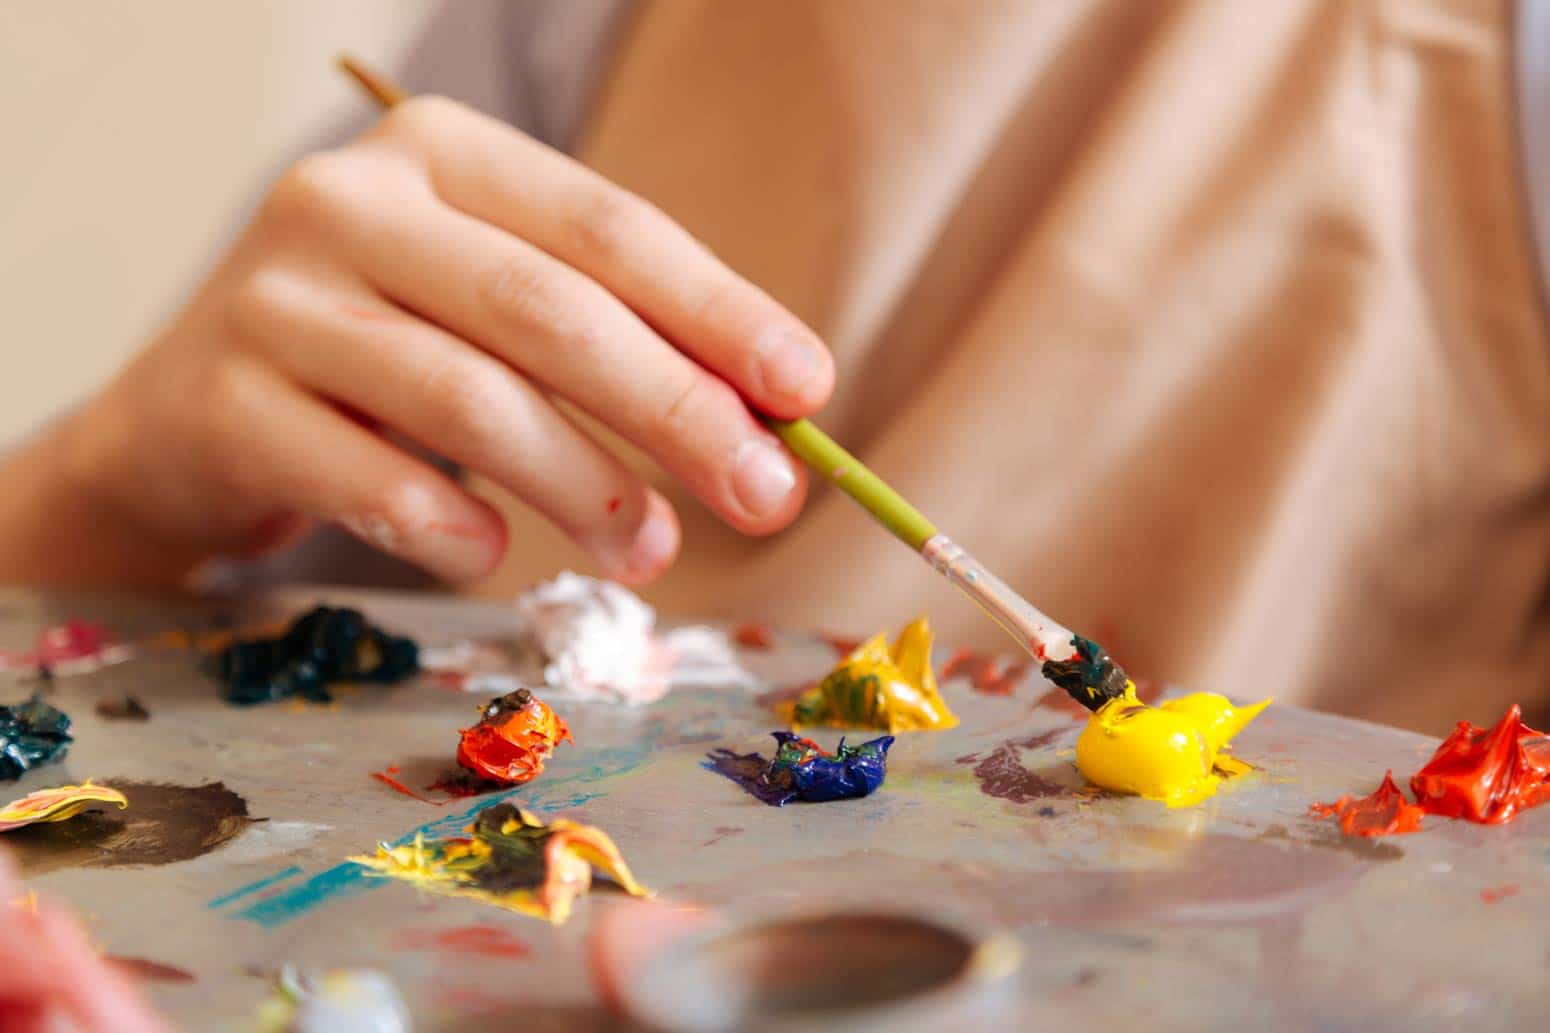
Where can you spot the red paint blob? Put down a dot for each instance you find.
(754, 636)
(484, 940)
(614, 504)
(1385, 813)
(1486, 775)
(72, 640)
(986, 674)
(369, 315)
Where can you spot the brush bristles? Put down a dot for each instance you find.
(1090, 677)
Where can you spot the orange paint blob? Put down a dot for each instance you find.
(1384, 813)
(1486, 775)
(513, 739)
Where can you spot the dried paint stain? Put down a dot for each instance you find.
(1001, 773)
(988, 675)
(163, 824)
(126, 708)
(483, 940)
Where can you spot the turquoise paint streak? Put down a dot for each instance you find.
(254, 887)
(349, 879)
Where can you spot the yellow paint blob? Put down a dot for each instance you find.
(893, 689)
(58, 804)
(1172, 752)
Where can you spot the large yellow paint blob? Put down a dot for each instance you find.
(893, 689)
(1171, 752)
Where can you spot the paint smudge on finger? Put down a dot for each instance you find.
(754, 635)
(1495, 893)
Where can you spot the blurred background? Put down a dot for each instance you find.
(136, 135)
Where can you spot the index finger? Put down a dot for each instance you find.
(486, 169)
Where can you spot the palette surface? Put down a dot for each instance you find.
(1242, 913)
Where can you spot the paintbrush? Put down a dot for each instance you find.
(1078, 665)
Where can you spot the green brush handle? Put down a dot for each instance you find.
(847, 473)
(1035, 631)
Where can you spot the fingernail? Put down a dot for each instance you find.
(788, 362)
(762, 476)
(467, 552)
(655, 542)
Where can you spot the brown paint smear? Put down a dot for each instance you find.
(147, 971)
(163, 824)
(1001, 772)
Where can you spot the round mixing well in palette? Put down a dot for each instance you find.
(849, 972)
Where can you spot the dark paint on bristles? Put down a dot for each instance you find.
(1091, 677)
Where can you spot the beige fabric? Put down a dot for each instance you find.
(1211, 326)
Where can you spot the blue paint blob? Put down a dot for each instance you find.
(803, 770)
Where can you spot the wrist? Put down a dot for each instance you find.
(65, 518)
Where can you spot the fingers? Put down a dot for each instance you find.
(569, 334)
(485, 169)
(628, 936)
(51, 977)
(470, 407)
(268, 440)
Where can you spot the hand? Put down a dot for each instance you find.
(446, 279)
(51, 978)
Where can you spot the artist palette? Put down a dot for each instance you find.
(983, 887)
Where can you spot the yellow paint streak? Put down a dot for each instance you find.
(450, 868)
(1172, 752)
